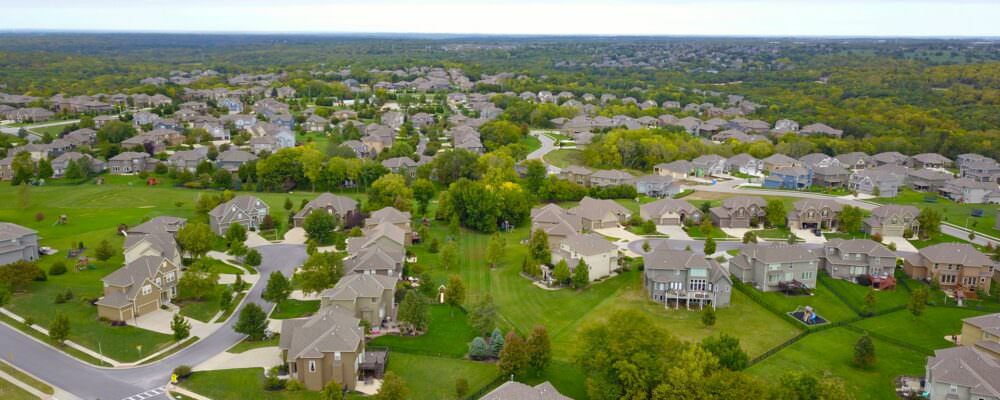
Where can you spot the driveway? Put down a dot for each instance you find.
(90, 382)
(902, 245)
(295, 236)
(808, 236)
(674, 231)
(624, 238)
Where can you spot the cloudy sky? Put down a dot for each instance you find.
(561, 17)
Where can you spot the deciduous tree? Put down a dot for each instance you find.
(252, 322)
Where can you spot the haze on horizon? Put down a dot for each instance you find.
(922, 18)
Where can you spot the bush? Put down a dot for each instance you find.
(877, 237)
(60, 298)
(39, 217)
(58, 268)
(272, 381)
(908, 233)
(182, 371)
(294, 386)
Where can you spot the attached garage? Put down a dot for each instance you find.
(148, 307)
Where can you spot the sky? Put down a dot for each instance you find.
(923, 18)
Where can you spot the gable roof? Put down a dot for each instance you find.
(968, 367)
(589, 244)
(389, 215)
(593, 209)
(863, 246)
(512, 390)
(955, 253)
(340, 204)
(331, 329)
(353, 286)
(778, 253)
(663, 206)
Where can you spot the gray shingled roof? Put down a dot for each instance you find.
(512, 390)
(955, 253)
(332, 329)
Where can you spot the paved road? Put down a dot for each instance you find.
(33, 137)
(90, 382)
(548, 144)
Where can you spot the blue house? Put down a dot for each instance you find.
(796, 178)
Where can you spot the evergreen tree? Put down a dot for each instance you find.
(538, 247)
(708, 316)
(496, 342)
(709, 246)
(181, 327)
(561, 272)
(864, 352)
(581, 275)
(454, 293)
(252, 322)
(478, 349)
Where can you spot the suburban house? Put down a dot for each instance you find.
(983, 170)
(390, 238)
(599, 213)
(738, 212)
(315, 123)
(929, 160)
(328, 346)
(820, 129)
(678, 169)
(61, 163)
(856, 161)
(138, 288)
(795, 178)
(670, 212)
(814, 214)
(744, 164)
(891, 158)
(953, 265)
(766, 267)
(962, 373)
(154, 237)
(884, 181)
(849, 259)
(685, 277)
(892, 220)
(20, 243)
(968, 190)
(188, 159)
(231, 160)
(369, 297)
(377, 260)
(557, 222)
(983, 333)
(129, 162)
(245, 210)
(832, 176)
(389, 215)
(341, 207)
(657, 186)
(927, 180)
(404, 166)
(600, 255)
(610, 177)
(708, 165)
(818, 160)
(778, 160)
(513, 390)
(576, 174)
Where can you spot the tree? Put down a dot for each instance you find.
(864, 352)
(454, 293)
(236, 233)
(390, 190)
(496, 342)
(483, 315)
(918, 301)
(538, 247)
(393, 388)
(181, 327)
(850, 219)
(495, 250)
(478, 349)
(197, 283)
(539, 349)
(252, 258)
(252, 322)
(535, 175)
(514, 357)
(869, 303)
(74, 171)
(413, 311)
(708, 316)
(319, 226)
(497, 133)
(461, 388)
(221, 179)
(16, 276)
(802, 386)
(709, 246)
(59, 329)
(288, 204)
(561, 272)
(44, 169)
(278, 288)
(320, 271)
(423, 193)
(332, 391)
(645, 246)
(726, 349)
(449, 254)
(929, 221)
(581, 274)
(749, 237)
(104, 251)
(775, 212)
(706, 227)
(196, 238)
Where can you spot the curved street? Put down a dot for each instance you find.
(548, 144)
(90, 382)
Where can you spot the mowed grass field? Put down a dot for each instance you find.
(955, 213)
(93, 213)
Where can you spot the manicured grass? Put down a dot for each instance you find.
(206, 309)
(695, 232)
(45, 339)
(93, 212)
(245, 345)
(942, 238)
(855, 294)
(927, 331)
(531, 143)
(232, 306)
(220, 267)
(563, 158)
(773, 233)
(432, 378)
(448, 335)
(320, 139)
(291, 308)
(25, 378)
(844, 235)
(239, 384)
(831, 352)
(187, 342)
(958, 214)
(822, 300)
(10, 391)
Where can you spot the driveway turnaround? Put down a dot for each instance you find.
(90, 382)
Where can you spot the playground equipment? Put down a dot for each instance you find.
(807, 316)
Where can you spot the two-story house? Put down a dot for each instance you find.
(738, 212)
(610, 177)
(796, 178)
(557, 223)
(245, 210)
(953, 265)
(670, 212)
(744, 164)
(814, 214)
(892, 221)
(849, 259)
(599, 255)
(927, 180)
(968, 190)
(708, 165)
(368, 296)
(884, 181)
(657, 186)
(19, 243)
(129, 162)
(685, 277)
(766, 267)
(231, 160)
(328, 346)
(600, 213)
(340, 207)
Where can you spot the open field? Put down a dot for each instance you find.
(563, 158)
(955, 213)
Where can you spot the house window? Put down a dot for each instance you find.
(147, 290)
(170, 276)
(159, 281)
(336, 356)
(807, 275)
(697, 284)
(312, 366)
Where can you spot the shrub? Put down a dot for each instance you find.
(877, 237)
(60, 298)
(908, 233)
(272, 381)
(58, 268)
(182, 371)
(294, 385)
(39, 217)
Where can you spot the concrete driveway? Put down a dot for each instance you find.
(255, 240)
(673, 231)
(295, 236)
(902, 245)
(808, 236)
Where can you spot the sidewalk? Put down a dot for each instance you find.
(68, 343)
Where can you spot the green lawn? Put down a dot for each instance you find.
(942, 238)
(695, 232)
(291, 308)
(448, 335)
(822, 300)
(245, 345)
(239, 384)
(203, 310)
(319, 138)
(432, 378)
(958, 214)
(855, 294)
(563, 158)
(927, 331)
(531, 143)
(830, 352)
(93, 212)
(25, 378)
(220, 267)
(10, 391)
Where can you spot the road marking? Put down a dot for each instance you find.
(147, 394)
